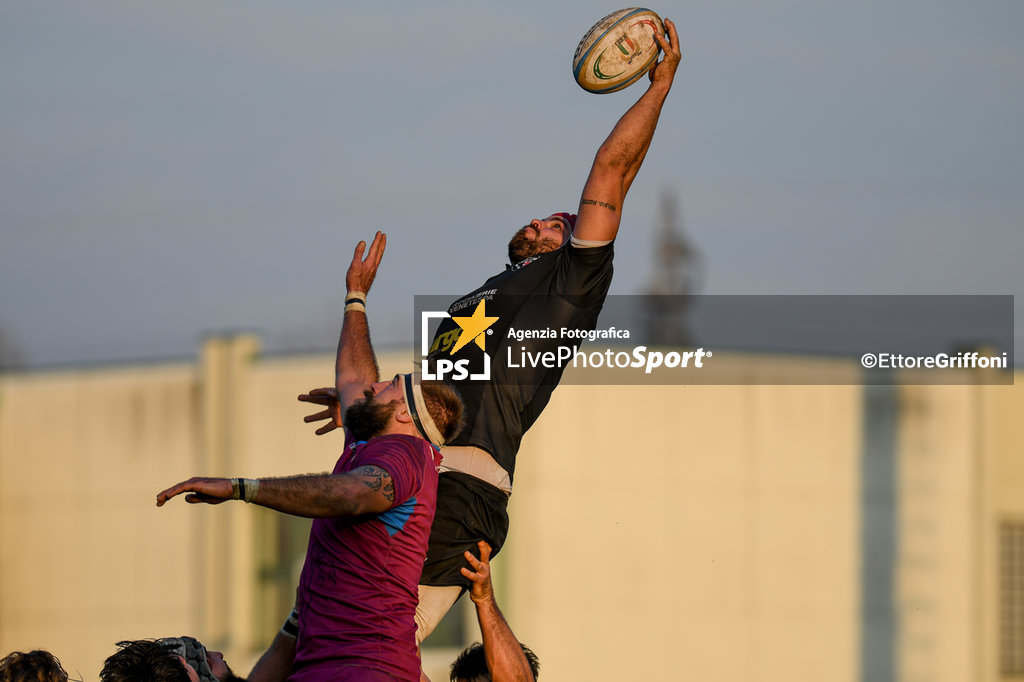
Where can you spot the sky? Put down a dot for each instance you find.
(174, 170)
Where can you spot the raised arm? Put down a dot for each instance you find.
(356, 366)
(619, 159)
(275, 665)
(506, 659)
(366, 490)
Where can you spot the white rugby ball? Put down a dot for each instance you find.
(617, 50)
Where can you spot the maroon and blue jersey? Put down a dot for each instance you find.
(358, 591)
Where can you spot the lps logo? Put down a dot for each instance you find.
(472, 329)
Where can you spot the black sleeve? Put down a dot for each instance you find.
(583, 272)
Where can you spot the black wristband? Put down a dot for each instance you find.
(291, 626)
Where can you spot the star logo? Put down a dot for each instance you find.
(473, 328)
(437, 361)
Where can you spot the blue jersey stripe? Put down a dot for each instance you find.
(396, 518)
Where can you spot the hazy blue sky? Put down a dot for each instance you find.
(173, 169)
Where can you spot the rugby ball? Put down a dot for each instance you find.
(617, 50)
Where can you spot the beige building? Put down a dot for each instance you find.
(723, 532)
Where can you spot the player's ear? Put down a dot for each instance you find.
(402, 415)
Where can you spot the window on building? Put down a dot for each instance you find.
(1011, 598)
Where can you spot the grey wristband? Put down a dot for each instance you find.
(244, 488)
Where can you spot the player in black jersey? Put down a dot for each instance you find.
(559, 274)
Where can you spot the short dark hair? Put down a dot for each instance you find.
(472, 664)
(144, 660)
(38, 665)
(445, 407)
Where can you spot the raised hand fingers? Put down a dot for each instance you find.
(164, 495)
(478, 577)
(357, 256)
(325, 414)
(660, 38)
(473, 561)
(326, 428)
(481, 590)
(376, 252)
(361, 272)
(208, 490)
(665, 69)
(200, 498)
(482, 564)
(355, 279)
(669, 41)
(327, 397)
(320, 396)
(671, 38)
(320, 416)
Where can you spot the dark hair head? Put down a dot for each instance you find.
(34, 666)
(445, 407)
(144, 660)
(472, 664)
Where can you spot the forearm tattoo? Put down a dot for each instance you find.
(377, 480)
(602, 204)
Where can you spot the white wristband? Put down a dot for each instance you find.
(355, 300)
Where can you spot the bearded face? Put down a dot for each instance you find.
(369, 419)
(527, 242)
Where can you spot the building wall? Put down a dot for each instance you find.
(1001, 438)
(690, 533)
(86, 558)
(714, 532)
(939, 531)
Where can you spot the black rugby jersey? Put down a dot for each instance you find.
(534, 299)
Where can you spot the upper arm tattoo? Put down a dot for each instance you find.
(602, 204)
(377, 480)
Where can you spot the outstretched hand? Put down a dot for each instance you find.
(665, 70)
(200, 491)
(482, 589)
(328, 397)
(361, 272)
